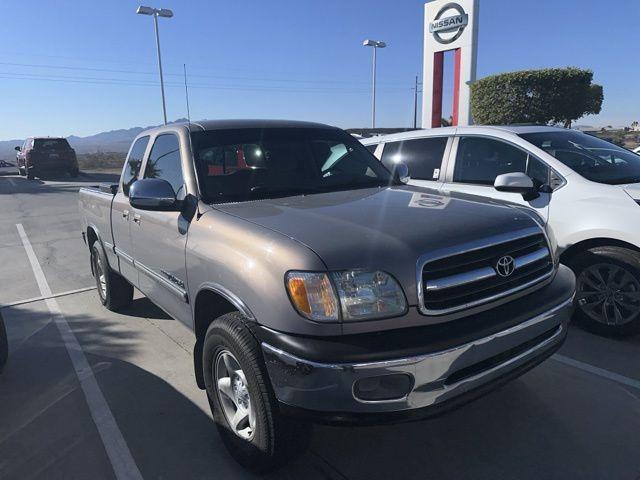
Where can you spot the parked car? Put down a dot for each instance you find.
(46, 155)
(318, 285)
(4, 346)
(587, 189)
(7, 168)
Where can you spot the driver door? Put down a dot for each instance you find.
(159, 237)
(477, 161)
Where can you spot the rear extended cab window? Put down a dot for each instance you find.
(133, 163)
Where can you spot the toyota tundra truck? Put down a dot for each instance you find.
(320, 287)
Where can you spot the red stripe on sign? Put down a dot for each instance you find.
(436, 92)
(457, 55)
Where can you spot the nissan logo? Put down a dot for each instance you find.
(505, 266)
(451, 24)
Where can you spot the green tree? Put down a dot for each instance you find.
(547, 96)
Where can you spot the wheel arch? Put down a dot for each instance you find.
(211, 302)
(584, 245)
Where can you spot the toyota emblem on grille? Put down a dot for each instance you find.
(505, 266)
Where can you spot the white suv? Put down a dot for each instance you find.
(587, 189)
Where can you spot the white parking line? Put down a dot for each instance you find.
(39, 299)
(601, 372)
(124, 466)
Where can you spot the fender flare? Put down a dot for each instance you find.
(228, 295)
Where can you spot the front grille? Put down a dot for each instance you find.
(470, 278)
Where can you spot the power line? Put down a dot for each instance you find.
(222, 77)
(151, 83)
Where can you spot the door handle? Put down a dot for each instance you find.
(136, 218)
(125, 214)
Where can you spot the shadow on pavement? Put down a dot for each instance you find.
(46, 428)
(143, 308)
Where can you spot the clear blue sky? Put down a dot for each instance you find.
(83, 66)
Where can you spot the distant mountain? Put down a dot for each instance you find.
(112, 141)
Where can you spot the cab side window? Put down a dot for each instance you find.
(423, 156)
(480, 160)
(372, 148)
(165, 163)
(133, 163)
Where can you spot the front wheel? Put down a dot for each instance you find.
(242, 401)
(608, 290)
(114, 291)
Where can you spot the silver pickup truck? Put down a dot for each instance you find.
(319, 286)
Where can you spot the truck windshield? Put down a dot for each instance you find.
(249, 164)
(51, 144)
(593, 158)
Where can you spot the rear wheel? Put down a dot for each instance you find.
(114, 291)
(608, 290)
(242, 401)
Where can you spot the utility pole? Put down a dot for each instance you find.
(415, 102)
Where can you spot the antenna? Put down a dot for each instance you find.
(186, 90)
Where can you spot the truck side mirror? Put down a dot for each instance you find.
(17, 149)
(517, 182)
(401, 173)
(153, 194)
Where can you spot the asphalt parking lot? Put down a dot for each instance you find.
(575, 416)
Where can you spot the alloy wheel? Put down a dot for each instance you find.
(233, 393)
(609, 294)
(101, 277)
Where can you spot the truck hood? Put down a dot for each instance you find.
(381, 228)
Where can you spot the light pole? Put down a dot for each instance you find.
(376, 45)
(158, 12)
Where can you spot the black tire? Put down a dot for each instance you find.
(114, 291)
(276, 439)
(4, 346)
(30, 175)
(600, 271)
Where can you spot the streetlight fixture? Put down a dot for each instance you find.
(376, 45)
(157, 12)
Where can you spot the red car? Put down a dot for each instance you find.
(46, 155)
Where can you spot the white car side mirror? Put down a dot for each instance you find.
(516, 182)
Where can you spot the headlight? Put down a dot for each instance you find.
(361, 295)
(368, 295)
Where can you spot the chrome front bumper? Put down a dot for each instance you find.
(437, 377)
